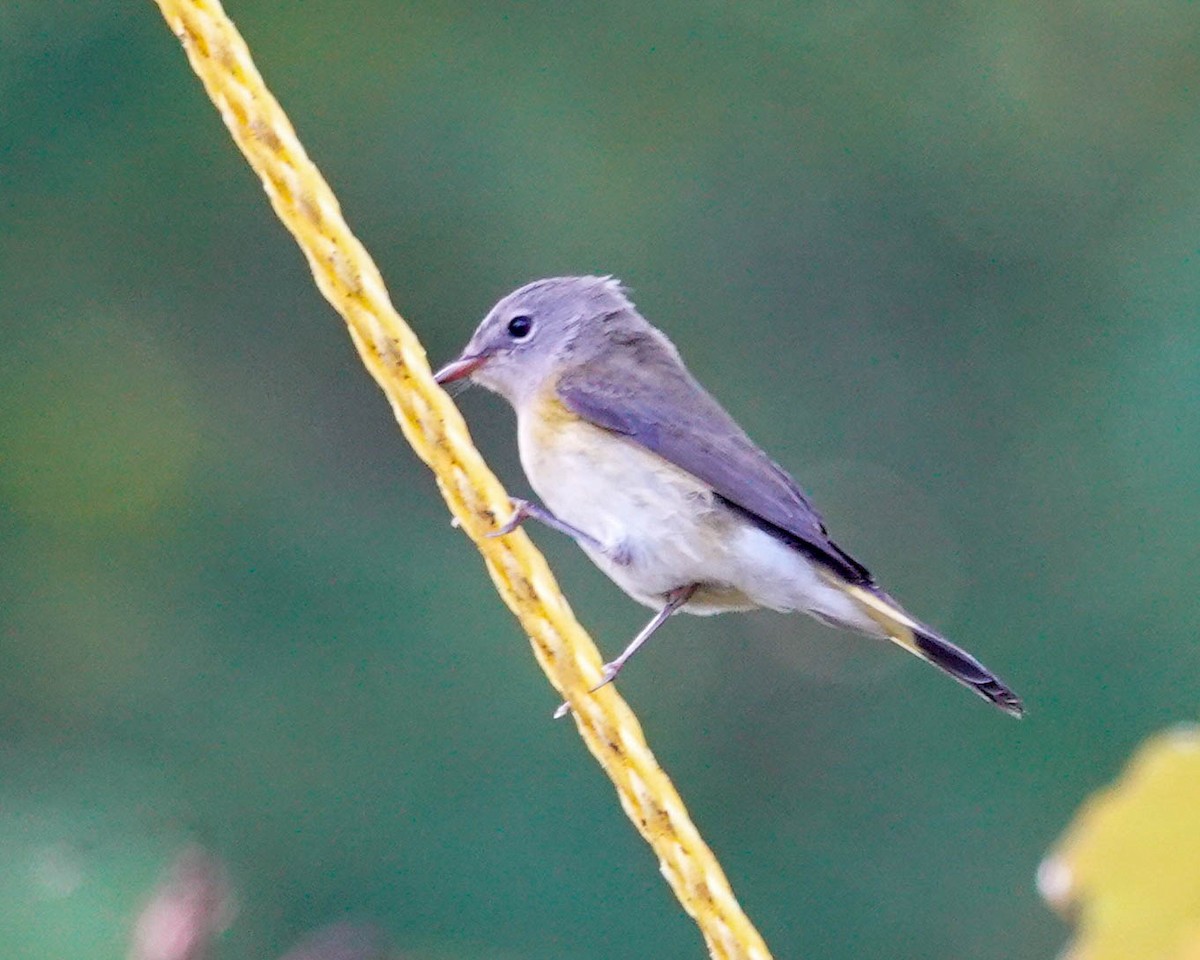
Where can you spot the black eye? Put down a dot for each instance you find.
(520, 327)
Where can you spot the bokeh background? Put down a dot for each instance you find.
(940, 259)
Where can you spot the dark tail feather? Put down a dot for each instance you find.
(968, 671)
(917, 638)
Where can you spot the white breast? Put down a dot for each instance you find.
(663, 528)
(647, 513)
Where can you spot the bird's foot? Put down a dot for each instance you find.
(520, 514)
(528, 510)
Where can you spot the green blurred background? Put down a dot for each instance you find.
(940, 259)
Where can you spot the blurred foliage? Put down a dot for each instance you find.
(939, 259)
(1129, 863)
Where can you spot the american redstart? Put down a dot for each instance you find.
(659, 485)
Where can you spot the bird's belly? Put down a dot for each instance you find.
(661, 527)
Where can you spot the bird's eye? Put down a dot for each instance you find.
(520, 327)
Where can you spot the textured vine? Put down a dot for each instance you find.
(350, 281)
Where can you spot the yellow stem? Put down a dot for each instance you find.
(350, 281)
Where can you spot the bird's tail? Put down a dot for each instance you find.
(925, 643)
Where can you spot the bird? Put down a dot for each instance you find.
(659, 485)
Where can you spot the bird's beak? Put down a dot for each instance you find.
(459, 369)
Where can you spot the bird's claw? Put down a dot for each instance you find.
(608, 673)
(520, 513)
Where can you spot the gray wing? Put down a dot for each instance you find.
(644, 392)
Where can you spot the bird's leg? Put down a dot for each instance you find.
(675, 599)
(527, 510)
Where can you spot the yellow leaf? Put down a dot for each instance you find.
(1129, 866)
(1191, 950)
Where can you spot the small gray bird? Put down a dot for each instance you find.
(658, 484)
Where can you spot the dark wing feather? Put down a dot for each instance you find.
(643, 391)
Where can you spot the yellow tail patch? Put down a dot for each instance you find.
(897, 624)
